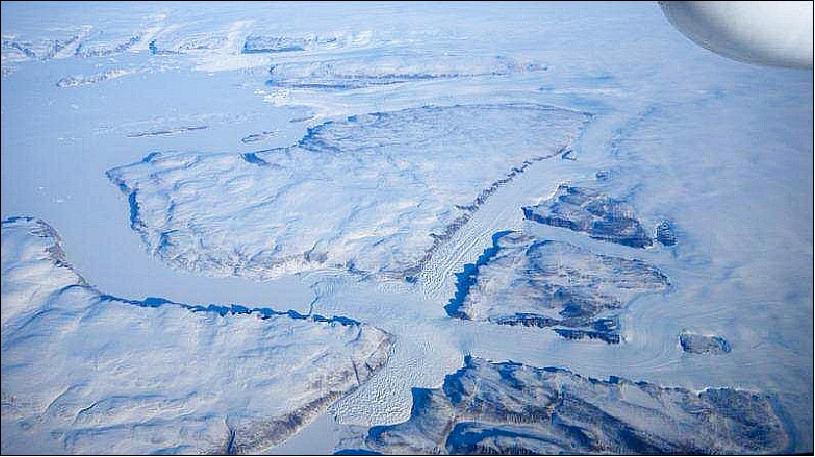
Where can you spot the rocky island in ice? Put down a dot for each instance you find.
(512, 408)
(595, 213)
(546, 283)
(697, 343)
(126, 376)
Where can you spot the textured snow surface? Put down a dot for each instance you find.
(260, 42)
(592, 212)
(370, 193)
(81, 80)
(383, 70)
(511, 408)
(696, 343)
(374, 160)
(547, 283)
(34, 266)
(153, 376)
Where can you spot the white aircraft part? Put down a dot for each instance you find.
(769, 33)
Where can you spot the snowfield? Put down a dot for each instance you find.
(363, 227)
(121, 376)
(34, 266)
(372, 193)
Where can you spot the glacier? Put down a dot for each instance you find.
(472, 183)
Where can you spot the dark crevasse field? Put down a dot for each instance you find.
(387, 228)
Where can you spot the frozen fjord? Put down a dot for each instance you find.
(682, 138)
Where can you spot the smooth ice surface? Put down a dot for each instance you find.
(89, 373)
(712, 157)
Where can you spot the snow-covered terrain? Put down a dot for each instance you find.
(589, 211)
(28, 281)
(371, 193)
(511, 408)
(392, 69)
(87, 373)
(382, 162)
(546, 283)
(696, 343)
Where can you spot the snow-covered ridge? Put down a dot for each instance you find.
(32, 256)
(369, 193)
(263, 42)
(83, 80)
(16, 50)
(236, 45)
(87, 373)
(511, 408)
(81, 42)
(348, 73)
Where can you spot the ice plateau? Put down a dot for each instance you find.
(370, 193)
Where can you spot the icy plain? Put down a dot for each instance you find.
(378, 162)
